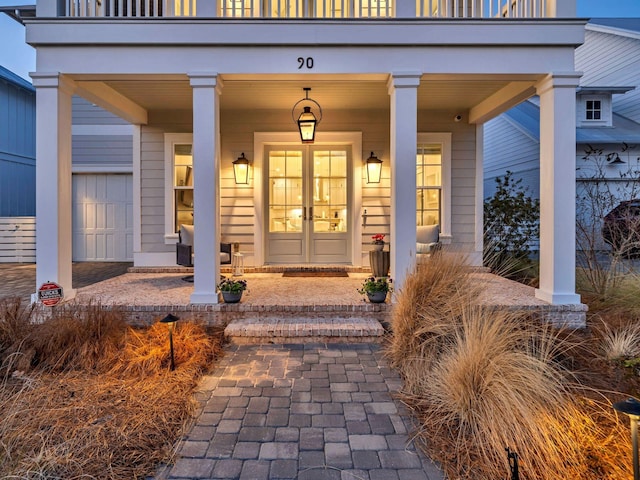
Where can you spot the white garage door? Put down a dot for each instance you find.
(102, 217)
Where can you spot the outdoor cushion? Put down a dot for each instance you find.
(186, 234)
(428, 233)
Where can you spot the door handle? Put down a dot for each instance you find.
(304, 214)
(311, 213)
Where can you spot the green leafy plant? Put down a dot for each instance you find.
(511, 226)
(373, 285)
(232, 286)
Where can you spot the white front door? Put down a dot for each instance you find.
(308, 202)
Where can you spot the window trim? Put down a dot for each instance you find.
(171, 139)
(444, 139)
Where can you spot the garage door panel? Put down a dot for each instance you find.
(103, 217)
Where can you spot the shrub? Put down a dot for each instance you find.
(480, 380)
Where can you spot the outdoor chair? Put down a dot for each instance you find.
(184, 248)
(427, 240)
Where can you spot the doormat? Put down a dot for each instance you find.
(315, 273)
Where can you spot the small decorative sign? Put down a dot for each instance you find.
(50, 294)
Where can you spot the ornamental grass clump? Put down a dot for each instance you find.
(96, 397)
(481, 379)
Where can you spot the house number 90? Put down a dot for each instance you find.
(305, 62)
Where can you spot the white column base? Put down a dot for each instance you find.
(204, 298)
(558, 298)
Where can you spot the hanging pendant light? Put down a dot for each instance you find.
(374, 169)
(307, 121)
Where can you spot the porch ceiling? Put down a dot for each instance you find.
(435, 93)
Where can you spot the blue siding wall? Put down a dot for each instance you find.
(17, 146)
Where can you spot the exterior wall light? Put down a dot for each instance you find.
(631, 407)
(241, 170)
(307, 121)
(170, 321)
(374, 169)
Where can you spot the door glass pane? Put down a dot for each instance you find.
(329, 191)
(285, 191)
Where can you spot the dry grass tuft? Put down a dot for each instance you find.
(481, 380)
(111, 409)
(621, 342)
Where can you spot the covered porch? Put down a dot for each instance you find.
(276, 309)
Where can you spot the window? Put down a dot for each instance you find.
(178, 183)
(429, 184)
(433, 182)
(593, 110)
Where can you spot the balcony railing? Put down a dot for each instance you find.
(521, 9)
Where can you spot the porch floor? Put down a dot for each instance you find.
(278, 306)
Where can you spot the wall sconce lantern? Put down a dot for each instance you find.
(307, 121)
(241, 170)
(374, 169)
(631, 407)
(170, 321)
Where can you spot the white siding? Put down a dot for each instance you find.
(612, 60)
(86, 113)
(506, 147)
(17, 239)
(237, 205)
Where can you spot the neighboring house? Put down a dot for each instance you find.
(17, 168)
(17, 146)
(607, 118)
(102, 177)
(207, 82)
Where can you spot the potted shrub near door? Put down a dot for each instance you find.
(232, 289)
(376, 289)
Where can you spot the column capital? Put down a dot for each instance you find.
(52, 80)
(559, 80)
(403, 80)
(205, 80)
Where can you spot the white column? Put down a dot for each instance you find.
(558, 189)
(403, 89)
(53, 181)
(206, 188)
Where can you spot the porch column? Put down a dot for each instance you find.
(53, 181)
(206, 188)
(558, 189)
(403, 89)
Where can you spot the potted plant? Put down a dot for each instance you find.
(232, 289)
(376, 289)
(378, 241)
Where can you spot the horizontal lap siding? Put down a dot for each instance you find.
(86, 113)
(102, 150)
(17, 239)
(507, 148)
(603, 67)
(237, 212)
(463, 173)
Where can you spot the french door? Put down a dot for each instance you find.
(308, 200)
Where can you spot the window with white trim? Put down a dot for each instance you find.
(178, 155)
(593, 110)
(433, 181)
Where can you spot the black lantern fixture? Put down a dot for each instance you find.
(307, 121)
(631, 407)
(170, 320)
(374, 169)
(241, 170)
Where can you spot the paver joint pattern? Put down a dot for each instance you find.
(311, 411)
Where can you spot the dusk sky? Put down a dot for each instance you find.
(20, 57)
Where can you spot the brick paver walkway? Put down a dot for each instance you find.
(310, 411)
